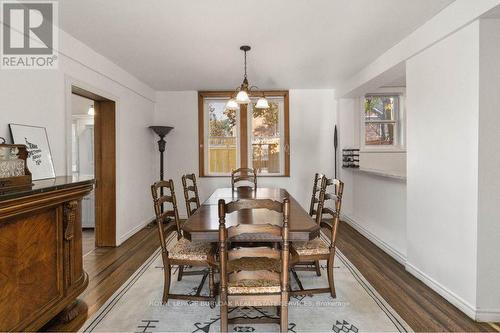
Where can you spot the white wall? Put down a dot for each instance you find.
(445, 23)
(374, 205)
(312, 118)
(43, 98)
(442, 99)
(488, 242)
(449, 235)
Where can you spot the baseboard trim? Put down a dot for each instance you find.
(482, 315)
(133, 231)
(447, 294)
(489, 315)
(397, 255)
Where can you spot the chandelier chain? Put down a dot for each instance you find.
(245, 64)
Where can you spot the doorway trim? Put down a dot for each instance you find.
(105, 156)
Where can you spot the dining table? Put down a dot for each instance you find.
(203, 225)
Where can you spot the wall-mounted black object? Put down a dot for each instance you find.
(350, 158)
(335, 145)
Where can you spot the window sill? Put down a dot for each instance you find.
(382, 173)
(258, 176)
(379, 150)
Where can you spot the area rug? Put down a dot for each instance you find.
(136, 306)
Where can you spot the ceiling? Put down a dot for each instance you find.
(194, 44)
(494, 13)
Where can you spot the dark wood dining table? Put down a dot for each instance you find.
(203, 225)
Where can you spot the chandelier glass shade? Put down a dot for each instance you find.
(232, 105)
(243, 93)
(262, 103)
(242, 97)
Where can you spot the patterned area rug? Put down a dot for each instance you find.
(136, 306)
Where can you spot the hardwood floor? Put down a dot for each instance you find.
(108, 268)
(88, 240)
(423, 309)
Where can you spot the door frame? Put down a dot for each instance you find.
(105, 156)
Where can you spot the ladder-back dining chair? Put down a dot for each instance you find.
(313, 266)
(191, 196)
(253, 276)
(244, 174)
(183, 252)
(319, 249)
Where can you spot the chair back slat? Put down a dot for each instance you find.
(227, 271)
(167, 214)
(254, 204)
(254, 275)
(261, 252)
(164, 199)
(191, 195)
(163, 215)
(244, 174)
(162, 183)
(191, 177)
(248, 229)
(328, 211)
(315, 193)
(334, 211)
(331, 196)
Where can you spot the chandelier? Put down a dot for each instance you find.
(243, 92)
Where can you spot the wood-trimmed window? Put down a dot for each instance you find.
(247, 137)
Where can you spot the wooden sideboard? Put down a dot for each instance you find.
(41, 266)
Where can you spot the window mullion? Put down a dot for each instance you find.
(243, 136)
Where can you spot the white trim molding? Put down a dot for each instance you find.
(447, 294)
(397, 255)
(478, 314)
(488, 315)
(133, 231)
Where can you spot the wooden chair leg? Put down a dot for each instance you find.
(318, 268)
(211, 286)
(284, 318)
(331, 281)
(180, 272)
(223, 316)
(166, 282)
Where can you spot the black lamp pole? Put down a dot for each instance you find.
(335, 145)
(162, 131)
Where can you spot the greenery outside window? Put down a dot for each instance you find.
(382, 122)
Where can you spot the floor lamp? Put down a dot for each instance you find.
(162, 131)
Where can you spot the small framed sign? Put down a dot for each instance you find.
(39, 156)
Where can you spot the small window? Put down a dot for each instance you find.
(382, 121)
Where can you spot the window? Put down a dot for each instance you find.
(222, 132)
(382, 121)
(248, 137)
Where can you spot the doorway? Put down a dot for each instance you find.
(82, 161)
(93, 152)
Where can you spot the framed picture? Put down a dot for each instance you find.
(39, 156)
